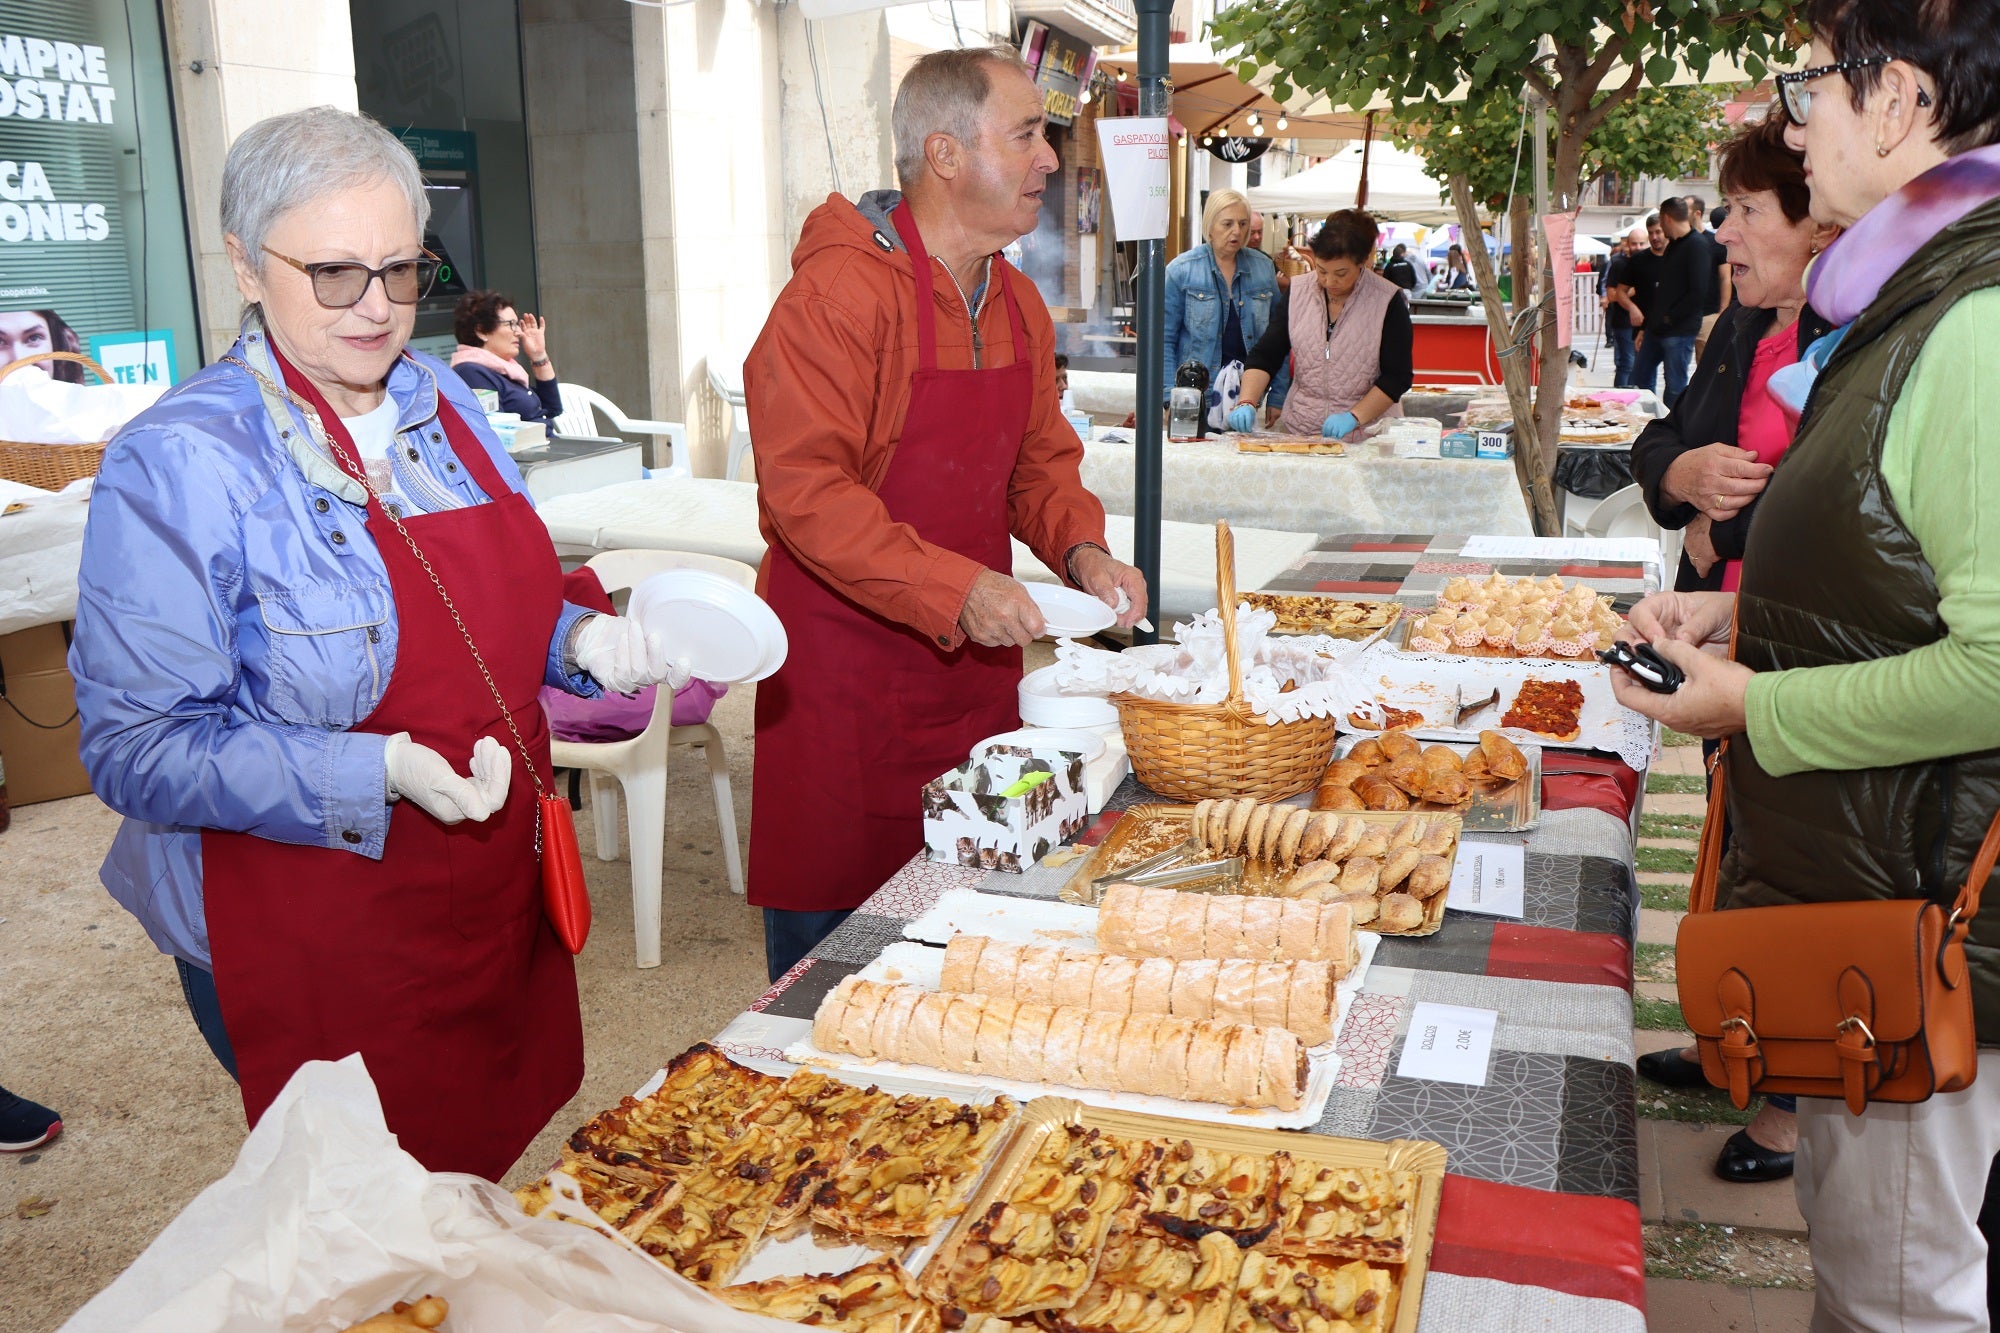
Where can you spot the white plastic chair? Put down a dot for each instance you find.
(728, 386)
(1623, 513)
(580, 407)
(639, 764)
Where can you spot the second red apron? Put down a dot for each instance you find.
(435, 962)
(867, 710)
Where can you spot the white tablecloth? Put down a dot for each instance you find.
(720, 518)
(1293, 493)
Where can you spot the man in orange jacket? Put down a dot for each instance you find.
(904, 415)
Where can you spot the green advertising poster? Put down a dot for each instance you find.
(93, 241)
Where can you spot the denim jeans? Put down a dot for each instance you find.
(790, 936)
(198, 989)
(1675, 354)
(1622, 355)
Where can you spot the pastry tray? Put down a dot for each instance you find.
(1421, 1158)
(1401, 639)
(1143, 823)
(1514, 808)
(1426, 683)
(1375, 615)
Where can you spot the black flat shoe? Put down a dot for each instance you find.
(1670, 1068)
(1744, 1161)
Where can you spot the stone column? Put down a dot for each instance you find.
(849, 106)
(234, 63)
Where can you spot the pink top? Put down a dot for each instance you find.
(1761, 425)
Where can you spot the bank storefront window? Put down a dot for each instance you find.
(93, 236)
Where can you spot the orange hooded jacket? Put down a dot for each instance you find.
(826, 387)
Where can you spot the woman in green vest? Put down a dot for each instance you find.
(1863, 704)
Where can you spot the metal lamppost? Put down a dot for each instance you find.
(1149, 317)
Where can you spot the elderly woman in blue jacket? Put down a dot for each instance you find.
(1219, 299)
(315, 612)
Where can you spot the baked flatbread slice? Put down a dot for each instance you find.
(702, 1109)
(1352, 1212)
(877, 1297)
(911, 1166)
(1156, 1282)
(1278, 1293)
(1198, 1190)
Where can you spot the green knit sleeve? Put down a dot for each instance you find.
(1941, 463)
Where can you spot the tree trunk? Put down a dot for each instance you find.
(1529, 469)
(1553, 385)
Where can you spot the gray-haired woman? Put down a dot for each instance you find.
(312, 586)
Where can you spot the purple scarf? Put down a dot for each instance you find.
(1846, 279)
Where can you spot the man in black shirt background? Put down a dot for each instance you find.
(1719, 285)
(1400, 270)
(1621, 303)
(1673, 318)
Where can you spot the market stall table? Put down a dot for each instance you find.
(1540, 1225)
(1209, 480)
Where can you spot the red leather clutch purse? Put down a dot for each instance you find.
(565, 898)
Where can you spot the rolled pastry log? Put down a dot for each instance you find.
(1236, 1064)
(1227, 926)
(961, 961)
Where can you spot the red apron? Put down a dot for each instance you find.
(866, 709)
(435, 962)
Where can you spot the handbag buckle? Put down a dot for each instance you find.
(1852, 1022)
(1743, 1023)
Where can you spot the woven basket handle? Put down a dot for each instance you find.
(1225, 602)
(78, 357)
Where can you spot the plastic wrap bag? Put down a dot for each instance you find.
(40, 409)
(324, 1221)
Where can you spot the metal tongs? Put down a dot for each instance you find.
(1165, 870)
(1461, 710)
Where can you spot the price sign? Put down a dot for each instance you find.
(1448, 1043)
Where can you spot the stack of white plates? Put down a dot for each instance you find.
(724, 631)
(1044, 705)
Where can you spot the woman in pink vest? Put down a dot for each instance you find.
(1348, 334)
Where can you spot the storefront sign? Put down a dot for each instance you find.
(73, 196)
(1234, 149)
(1061, 65)
(1135, 152)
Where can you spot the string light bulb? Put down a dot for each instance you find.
(1121, 76)
(1282, 123)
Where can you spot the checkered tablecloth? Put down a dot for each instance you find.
(1540, 1222)
(1412, 568)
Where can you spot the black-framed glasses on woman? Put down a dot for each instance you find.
(1796, 98)
(340, 283)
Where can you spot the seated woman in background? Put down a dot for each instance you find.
(490, 336)
(1346, 333)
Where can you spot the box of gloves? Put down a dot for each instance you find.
(1006, 810)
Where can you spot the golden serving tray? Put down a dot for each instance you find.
(1144, 830)
(1512, 808)
(1043, 1115)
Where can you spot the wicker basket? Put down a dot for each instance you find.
(50, 466)
(1197, 751)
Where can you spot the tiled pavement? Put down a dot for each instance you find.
(1676, 1182)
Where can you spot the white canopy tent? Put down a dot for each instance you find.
(1397, 187)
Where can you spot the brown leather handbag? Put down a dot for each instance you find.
(1865, 1000)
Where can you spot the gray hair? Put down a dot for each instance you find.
(288, 161)
(942, 93)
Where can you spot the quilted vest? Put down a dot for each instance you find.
(1333, 374)
(1831, 574)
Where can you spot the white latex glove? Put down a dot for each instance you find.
(620, 655)
(426, 777)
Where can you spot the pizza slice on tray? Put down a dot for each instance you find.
(1354, 1212)
(1037, 1246)
(1278, 1293)
(1199, 1190)
(1551, 708)
(702, 1110)
(623, 1204)
(1158, 1283)
(911, 1166)
(877, 1297)
(724, 1209)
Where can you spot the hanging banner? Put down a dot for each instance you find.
(1134, 149)
(1560, 228)
(72, 194)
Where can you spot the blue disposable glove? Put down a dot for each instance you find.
(1339, 424)
(1243, 418)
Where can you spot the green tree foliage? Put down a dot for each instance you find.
(1663, 132)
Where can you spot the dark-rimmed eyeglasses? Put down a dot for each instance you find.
(1796, 98)
(340, 283)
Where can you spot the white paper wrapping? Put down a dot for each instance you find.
(41, 409)
(1318, 669)
(41, 545)
(324, 1221)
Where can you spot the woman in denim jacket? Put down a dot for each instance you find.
(1219, 298)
